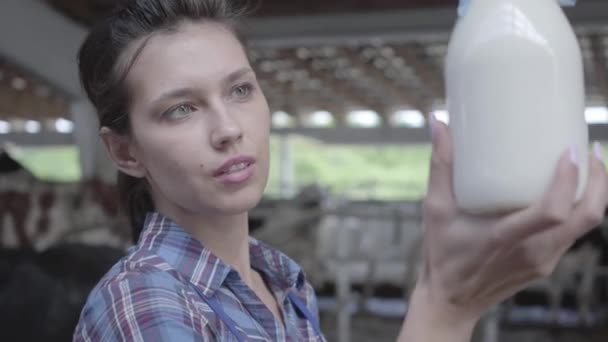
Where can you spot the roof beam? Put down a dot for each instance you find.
(398, 26)
(41, 41)
(53, 56)
(340, 91)
(431, 77)
(395, 92)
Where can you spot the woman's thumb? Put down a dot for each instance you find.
(440, 193)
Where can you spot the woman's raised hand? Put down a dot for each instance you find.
(472, 263)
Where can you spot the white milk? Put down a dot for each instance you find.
(516, 97)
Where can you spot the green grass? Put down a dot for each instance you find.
(390, 172)
(56, 163)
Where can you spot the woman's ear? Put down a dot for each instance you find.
(120, 150)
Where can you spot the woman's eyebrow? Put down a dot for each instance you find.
(188, 91)
(233, 76)
(176, 93)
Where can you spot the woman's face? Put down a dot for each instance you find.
(200, 123)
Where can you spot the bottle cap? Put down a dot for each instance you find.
(463, 6)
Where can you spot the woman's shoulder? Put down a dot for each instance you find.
(138, 275)
(140, 294)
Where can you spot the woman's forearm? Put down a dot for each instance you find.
(428, 321)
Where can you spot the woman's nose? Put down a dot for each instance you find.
(226, 132)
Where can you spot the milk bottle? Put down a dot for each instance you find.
(514, 79)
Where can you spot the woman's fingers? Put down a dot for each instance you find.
(543, 251)
(589, 212)
(553, 209)
(439, 200)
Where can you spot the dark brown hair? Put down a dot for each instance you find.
(103, 70)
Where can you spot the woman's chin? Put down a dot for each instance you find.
(239, 202)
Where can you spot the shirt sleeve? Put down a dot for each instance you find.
(141, 308)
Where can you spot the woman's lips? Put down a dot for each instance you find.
(236, 170)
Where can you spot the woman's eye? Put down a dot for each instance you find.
(242, 91)
(179, 111)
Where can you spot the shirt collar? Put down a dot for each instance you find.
(277, 267)
(193, 261)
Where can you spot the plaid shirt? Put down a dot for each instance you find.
(149, 294)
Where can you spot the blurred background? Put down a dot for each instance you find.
(350, 84)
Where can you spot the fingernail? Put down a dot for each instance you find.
(598, 150)
(574, 155)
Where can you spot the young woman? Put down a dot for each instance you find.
(185, 121)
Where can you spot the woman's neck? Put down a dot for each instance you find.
(227, 237)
